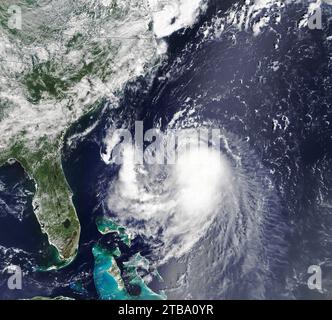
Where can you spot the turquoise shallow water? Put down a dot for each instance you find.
(107, 274)
(108, 280)
(106, 225)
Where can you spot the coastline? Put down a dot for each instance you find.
(52, 201)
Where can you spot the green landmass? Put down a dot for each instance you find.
(52, 202)
(52, 75)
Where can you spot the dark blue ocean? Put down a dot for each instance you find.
(281, 115)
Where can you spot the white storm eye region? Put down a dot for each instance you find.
(176, 203)
(200, 175)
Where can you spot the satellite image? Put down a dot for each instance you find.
(166, 149)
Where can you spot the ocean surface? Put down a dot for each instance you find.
(270, 95)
